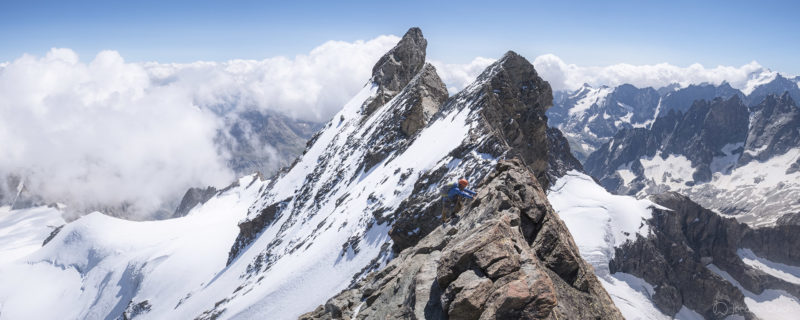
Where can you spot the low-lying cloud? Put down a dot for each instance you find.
(563, 76)
(109, 133)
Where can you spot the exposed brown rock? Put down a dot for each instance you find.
(488, 266)
(396, 68)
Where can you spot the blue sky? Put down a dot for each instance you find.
(585, 33)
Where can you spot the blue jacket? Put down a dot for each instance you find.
(455, 191)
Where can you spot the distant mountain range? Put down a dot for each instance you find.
(590, 116)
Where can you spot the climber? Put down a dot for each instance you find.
(453, 198)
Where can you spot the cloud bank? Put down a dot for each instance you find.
(563, 76)
(109, 133)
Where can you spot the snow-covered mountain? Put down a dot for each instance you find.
(366, 188)
(666, 257)
(590, 117)
(726, 158)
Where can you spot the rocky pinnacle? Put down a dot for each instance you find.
(395, 69)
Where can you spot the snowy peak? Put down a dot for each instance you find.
(397, 67)
(367, 186)
(777, 85)
(773, 129)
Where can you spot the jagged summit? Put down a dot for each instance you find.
(773, 129)
(513, 99)
(397, 67)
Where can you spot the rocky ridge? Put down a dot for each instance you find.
(508, 256)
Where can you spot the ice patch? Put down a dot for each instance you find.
(593, 97)
(626, 174)
(674, 171)
(727, 162)
(779, 270)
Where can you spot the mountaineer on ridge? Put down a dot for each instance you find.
(453, 198)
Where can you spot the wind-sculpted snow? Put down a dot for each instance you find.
(99, 267)
(23, 231)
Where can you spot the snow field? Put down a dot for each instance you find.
(600, 221)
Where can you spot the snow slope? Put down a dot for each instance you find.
(599, 222)
(760, 192)
(97, 264)
(782, 271)
(23, 231)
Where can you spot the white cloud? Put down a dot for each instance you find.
(107, 132)
(311, 87)
(458, 76)
(570, 77)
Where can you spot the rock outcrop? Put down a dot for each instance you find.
(685, 240)
(700, 135)
(514, 104)
(509, 100)
(396, 68)
(773, 129)
(508, 256)
(192, 198)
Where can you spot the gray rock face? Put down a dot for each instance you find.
(683, 98)
(560, 159)
(774, 129)
(515, 102)
(427, 95)
(192, 198)
(590, 116)
(508, 257)
(705, 130)
(421, 98)
(700, 135)
(685, 240)
(717, 154)
(777, 86)
(510, 99)
(396, 68)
